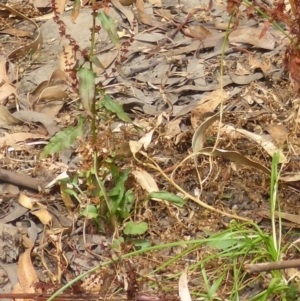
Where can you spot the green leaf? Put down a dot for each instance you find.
(115, 107)
(63, 139)
(90, 212)
(168, 196)
(225, 241)
(116, 244)
(126, 204)
(109, 26)
(142, 243)
(86, 88)
(132, 228)
(119, 184)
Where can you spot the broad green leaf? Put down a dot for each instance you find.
(90, 212)
(63, 139)
(132, 228)
(168, 196)
(126, 204)
(142, 243)
(109, 26)
(115, 107)
(86, 88)
(120, 183)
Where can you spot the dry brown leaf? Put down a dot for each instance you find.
(127, 2)
(43, 215)
(57, 77)
(294, 218)
(155, 3)
(234, 157)
(183, 289)
(3, 74)
(251, 35)
(126, 12)
(17, 32)
(26, 274)
(60, 5)
(6, 90)
(146, 181)
(40, 3)
(173, 128)
(198, 143)
(12, 139)
(39, 89)
(68, 61)
(106, 60)
(36, 44)
(66, 196)
(49, 108)
(254, 63)
(8, 119)
(31, 116)
(266, 144)
(207, 104)
(278, 133)
(165, 13)
(135, 146)
(148, 20)
(140, 5)
(197, 32)
(54, 93)
(26, 201)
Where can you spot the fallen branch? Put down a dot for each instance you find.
(270, 266)
(20, 179)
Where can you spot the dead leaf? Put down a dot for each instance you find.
(127, 2)
(8, 119)
(197, 32)
(148, 20)
(26, 201)
(68, 61)
(3, 74)
(54, 93)
(60, 5)
(173, 128)
(207, 104)
(49, 108)
(234, 157)
(17, 32)
(106, 60)
(267, 145)
(6, 90)
(31, 116)
(26, 274)
(183, 289)
(251, 35)
(126, 12)
(278, 133)
(156, 3)
(36, 44)
(255, 63)
(146, 181)
(66, 196)
(135, 146)
(43, 215)
(15, 138)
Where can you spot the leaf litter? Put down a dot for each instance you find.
(170, 85)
